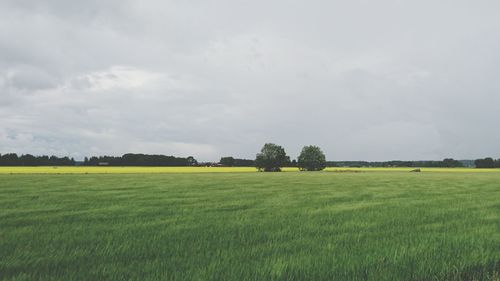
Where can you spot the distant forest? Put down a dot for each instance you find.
(131, 159)
(11, 159)
(446, 163)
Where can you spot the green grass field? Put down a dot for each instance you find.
(377, 225)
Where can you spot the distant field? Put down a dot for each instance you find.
(154, 170)
(158, 224)
(122, 170)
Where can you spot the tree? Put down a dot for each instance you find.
(311, 159)
(450, 163)
(485, 163)
(235, 162)
(227, 161)
(191, 161)
(271, 158)
(243, 162)
(10, 159)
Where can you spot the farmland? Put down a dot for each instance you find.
(149, 223)
(189, 170)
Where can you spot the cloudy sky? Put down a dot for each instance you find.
(364, 80)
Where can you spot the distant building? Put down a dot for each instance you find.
(103, 164)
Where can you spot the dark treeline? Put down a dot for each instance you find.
(12, 159)
(487, 163)
(446, 163)
(235, 162)
(131, 159)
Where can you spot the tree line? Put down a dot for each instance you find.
(446, 163)
(131, 159)
(12, 159)
(235, 162)
(487, 163)
(271, 158)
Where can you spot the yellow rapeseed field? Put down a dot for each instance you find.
(156, 170)
(121, 170)
(404, 169)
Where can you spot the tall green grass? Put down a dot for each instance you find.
(250, 226)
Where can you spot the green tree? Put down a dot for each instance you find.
(311, 159)
(191, 161)
(450, 162)
(485, 163)
(271, 158)
(227, 161)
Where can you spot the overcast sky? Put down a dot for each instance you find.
(364, 80)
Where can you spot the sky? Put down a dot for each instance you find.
(364, 80)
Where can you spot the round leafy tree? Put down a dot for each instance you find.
(271, 158)
(311, 159)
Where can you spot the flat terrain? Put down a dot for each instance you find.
(177, 170)
(380, 225)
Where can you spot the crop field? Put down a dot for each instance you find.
(177, 170)
(131, 223)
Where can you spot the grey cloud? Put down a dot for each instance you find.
(362, 79)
